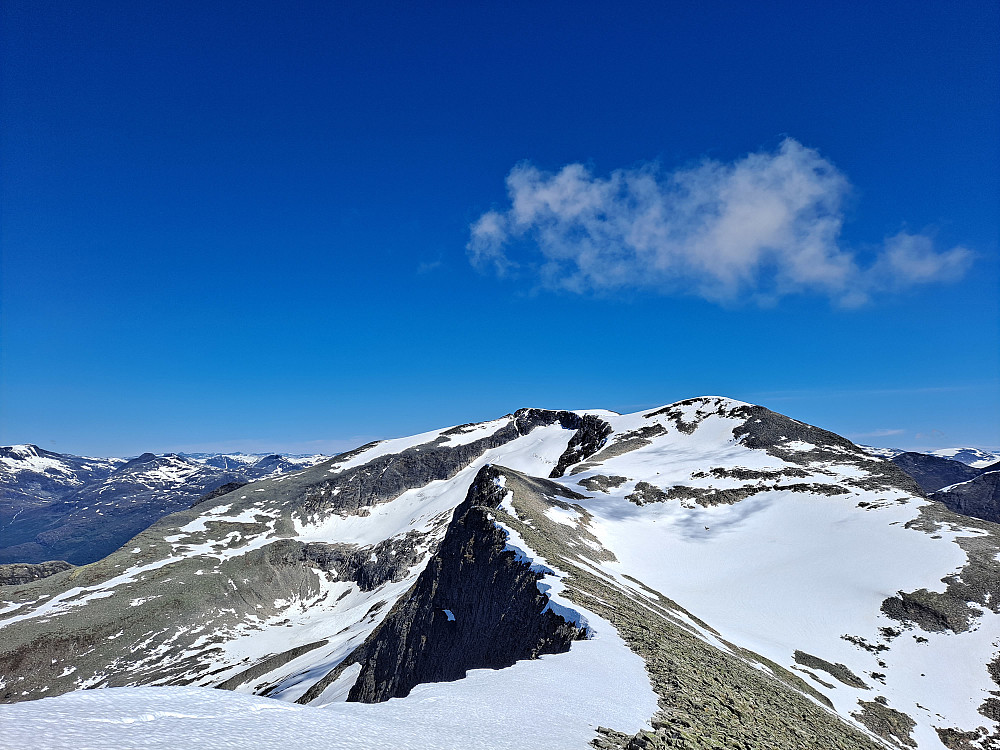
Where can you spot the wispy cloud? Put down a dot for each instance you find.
(813, 394)
(760, 227)
(877, 433)
(429, 265)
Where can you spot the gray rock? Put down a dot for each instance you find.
(602, 482)
(18, 574)
(887, 723)
(837, 671)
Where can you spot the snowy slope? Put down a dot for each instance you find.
(595, 684)
(817, 574)
(792, 570)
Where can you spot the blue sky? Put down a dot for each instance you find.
(294, 227)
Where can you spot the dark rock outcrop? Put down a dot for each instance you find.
(589, 438)
(707, 497)
(887, 723)
(369, 567)
(930, 610)
(837, 671)
(646, 493)
(602, 482)
(767, 430)
(476, 605)
(978, 497)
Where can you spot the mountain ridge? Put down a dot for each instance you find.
(708, 532)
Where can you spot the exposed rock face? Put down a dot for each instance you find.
(369, 567)
(978, 497)
(767, 430)
(474, 606)
(800, 443)
(932, 472)
(930, 611)
(589, 438)
(21, 573)
(646, 493)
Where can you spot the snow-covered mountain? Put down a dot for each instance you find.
(60, 507)
(880, 452)
(258, 462)
(42, 474)
(972, 456)
(708, 574)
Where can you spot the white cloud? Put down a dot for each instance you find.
(877, 433)
(429, 265)
(764, 226)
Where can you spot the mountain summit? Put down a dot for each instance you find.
(705, 574)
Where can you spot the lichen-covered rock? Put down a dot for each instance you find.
(887, 723)
(17, 574)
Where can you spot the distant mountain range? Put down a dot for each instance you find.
(966, 480)
(974, 457)
(709, 574)
(55, 506)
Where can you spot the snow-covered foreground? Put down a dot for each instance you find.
(555, 702)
